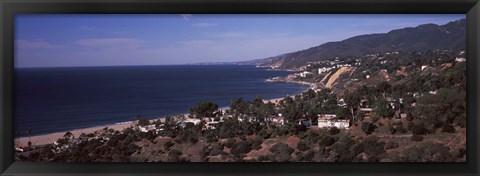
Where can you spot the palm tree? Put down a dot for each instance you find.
(29, 132)
(17, 135)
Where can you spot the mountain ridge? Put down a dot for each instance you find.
(423, 37)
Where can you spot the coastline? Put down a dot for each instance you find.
(50, 138)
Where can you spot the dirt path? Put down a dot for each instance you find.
(335, 76)
(324, 78)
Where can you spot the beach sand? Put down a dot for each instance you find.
(50, 138)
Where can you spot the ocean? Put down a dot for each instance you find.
(48, 100)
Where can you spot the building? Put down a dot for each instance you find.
(324, 69)
(367, 112)
(330, 121)
(341, 103)
(424, 67)
(305, 74)
(305, 122)
(460, 59)
(279, 121)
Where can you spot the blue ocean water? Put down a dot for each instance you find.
(59, 99)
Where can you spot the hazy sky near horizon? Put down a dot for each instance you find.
(126, 39)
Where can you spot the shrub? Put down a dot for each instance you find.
(281, 148)
(448, 128)
(230, 143)
(334, 131)
(143, 122)
(416, 137)
(418, 128)
(241, 148)
(327, 141)
(302, 146)
(368, 127)
(168, 144)
(391, 145)
(216, 150)
(174, 155)
(461, 152)
(373, 147)
(257, 143)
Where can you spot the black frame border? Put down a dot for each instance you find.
(8, 9)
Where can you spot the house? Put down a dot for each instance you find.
(305, 74)
(147, 128)
(305, 122)
(192, 120)
(364, 103)
(212, 124)
(424, 67)
(460, 59)
(279, 121)
(330, 121)
(341, 103)
(324, 69)
(367, 112)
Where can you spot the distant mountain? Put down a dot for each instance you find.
(421, 38)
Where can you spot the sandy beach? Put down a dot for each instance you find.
(50, 138)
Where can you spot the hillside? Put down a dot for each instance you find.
(421, 38)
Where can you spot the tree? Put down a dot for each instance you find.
(442, 108)
(204, 109)
(353, 101)
(342, 113)
(29, 132)
(384, 87)
(382, 108)
(309, 95)
(143, 122)
(239, 105)
(281, 152)
(302, 146)
(241, 148)
(368, 127)
(373, 147)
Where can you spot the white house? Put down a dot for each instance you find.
(324, 69)
(191, 120)
(330, 120)
(424, 67)
(147, 128)
(305, 74)
(460, 59)
(341, 102)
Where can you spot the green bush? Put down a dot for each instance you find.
(448, 128)
(241, 148)
(368, 127)
(302, 146)
(216, 150)
(230, 143)
(257, 143)
(327, 141)
(391, 145)
(334, 131)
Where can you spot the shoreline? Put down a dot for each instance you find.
(50, 138)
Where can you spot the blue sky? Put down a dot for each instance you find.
(107, 40)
